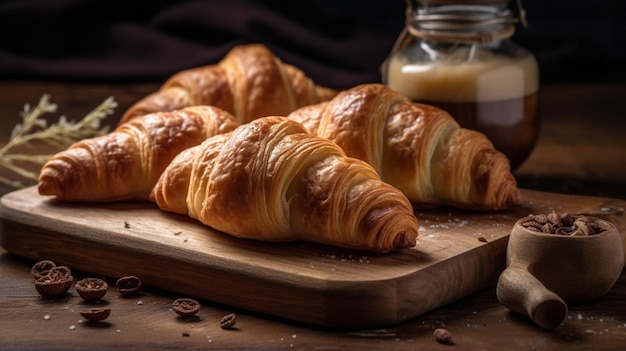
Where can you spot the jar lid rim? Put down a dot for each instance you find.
(469, 2)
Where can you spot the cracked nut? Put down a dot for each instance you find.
(566, 224)
(42, 268)
(92, 289)
(96, 314)
(128, 285)
(55, 283)
(443, 336)
(186, 307)
(228, 321)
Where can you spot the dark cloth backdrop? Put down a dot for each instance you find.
(338, 43)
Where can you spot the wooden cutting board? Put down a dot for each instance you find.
(317, 284)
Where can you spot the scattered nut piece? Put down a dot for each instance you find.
(443, 336)
(186, 307)
(128, 285)
(92, 289)
(482, 239)
(228, 321)
(96, 314)
(55, 283)
(42, 268)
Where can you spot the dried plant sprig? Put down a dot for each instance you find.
(58, 135)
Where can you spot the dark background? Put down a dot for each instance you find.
(337, 43)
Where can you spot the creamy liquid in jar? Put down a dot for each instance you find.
(494, 94)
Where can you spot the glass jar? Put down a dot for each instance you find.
(458, 55)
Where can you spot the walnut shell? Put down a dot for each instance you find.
(96, 314)
(55, 283)
(92, 289)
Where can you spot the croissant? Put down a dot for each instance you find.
(270, 180)
(418, 148)
(126, 163)
(249, 82)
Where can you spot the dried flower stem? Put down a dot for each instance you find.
(59, 136)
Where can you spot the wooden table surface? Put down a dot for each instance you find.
(582, 150)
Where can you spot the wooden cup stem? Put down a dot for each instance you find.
(521, 292)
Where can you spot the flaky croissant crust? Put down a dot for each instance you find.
(249, 82)
(418, 148)
(270, 180)
(126, 163)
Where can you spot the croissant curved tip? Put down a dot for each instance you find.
(516, 198)
(510, 197)
(46, 187)
(404, 240)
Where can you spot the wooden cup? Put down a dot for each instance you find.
(546, 271)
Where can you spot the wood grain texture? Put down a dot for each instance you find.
(314, 284)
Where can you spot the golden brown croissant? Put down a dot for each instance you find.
(249, 82)
(418, 148)
(270, 180)
(126, 163)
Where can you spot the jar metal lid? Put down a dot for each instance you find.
(466, 2)
(469, 21)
